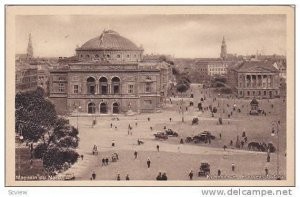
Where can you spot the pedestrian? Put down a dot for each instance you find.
(106, 161)
(170, 119)
(135, 154)
(159, 178)
(220, 136)
(136, 124)
(231, 142)
(232, 167)
(191, 174)
(148, 162)
(267, 171)
(164, 177)
(219, 172)
(118, 177)
(31, 162)
(148, 118)
(81, 157)
(116, 127)
(111, 125)
(268, 158)
(127, 177)
(157, 148)
(93, 175)
(151, 128)
(242, 143)
(113, 143)
(224, 147)
(103, 161)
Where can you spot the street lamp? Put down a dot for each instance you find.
(273, 134)
(79, 108)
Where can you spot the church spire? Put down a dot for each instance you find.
(223, 54)
(29, 48)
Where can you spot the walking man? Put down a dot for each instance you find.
(93, 175)
(135, 154)
(191, 174)
(232, 167)
(148, 162)
(127, 177)
(157, 147)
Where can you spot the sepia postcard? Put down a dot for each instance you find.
(150, 95)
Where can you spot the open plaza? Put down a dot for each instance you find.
(176, 159)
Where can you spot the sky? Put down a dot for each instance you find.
(182, 36)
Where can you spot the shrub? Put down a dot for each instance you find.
(40, 150)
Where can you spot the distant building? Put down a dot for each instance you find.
(108, 78)
(217, 68)
(43, 75)
(223, 54)
(25, 72)
(26, 77)
(258, 79)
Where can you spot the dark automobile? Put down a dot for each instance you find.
(170, 132)
(69, 177)
(204, 169)
(161, 136)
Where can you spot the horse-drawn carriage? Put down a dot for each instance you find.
(262, 147)
(161, 136)
(204, 169)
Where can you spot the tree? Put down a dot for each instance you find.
(37, 121)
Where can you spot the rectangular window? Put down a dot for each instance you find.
(248, 93)
(75, 89)
(148, 87)
(61, 87)
(265, 93)
(130, 89)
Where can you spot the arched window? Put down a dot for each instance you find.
(103, 108)
(91, 108)
(103, 87)
(87, 56)
(96, 56)
(118, 56)
(91, 85)
(115, 85)
(116, 108)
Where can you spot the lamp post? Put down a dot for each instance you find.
(19, 157)
(79, 108)
(273, 134)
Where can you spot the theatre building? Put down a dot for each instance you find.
(108, 78)
(258, 79)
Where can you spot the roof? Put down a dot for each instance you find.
(254, 102)
(109, 40)
(255, 66)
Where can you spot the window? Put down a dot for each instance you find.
(241, 92)
(265, 93)
(118, 56)
(128, 56)
(148, 102)
(148, 87)
(87, 56)
(75, 89)
(96, 56)
(61, 87)
(108, 56)
(253, 93)
(248, 92)
(130, 89)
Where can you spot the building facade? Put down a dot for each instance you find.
(109, 78)
(255, 79)
(26, 77)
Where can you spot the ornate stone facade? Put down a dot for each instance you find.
(255, 79)
(107, 84)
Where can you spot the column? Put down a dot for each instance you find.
(251, 81)
(245, 84)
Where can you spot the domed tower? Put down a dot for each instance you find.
(109, 47)
(223, 54)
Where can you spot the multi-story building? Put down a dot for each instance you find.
(26, 77)
(109, 78)
(258, 79)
